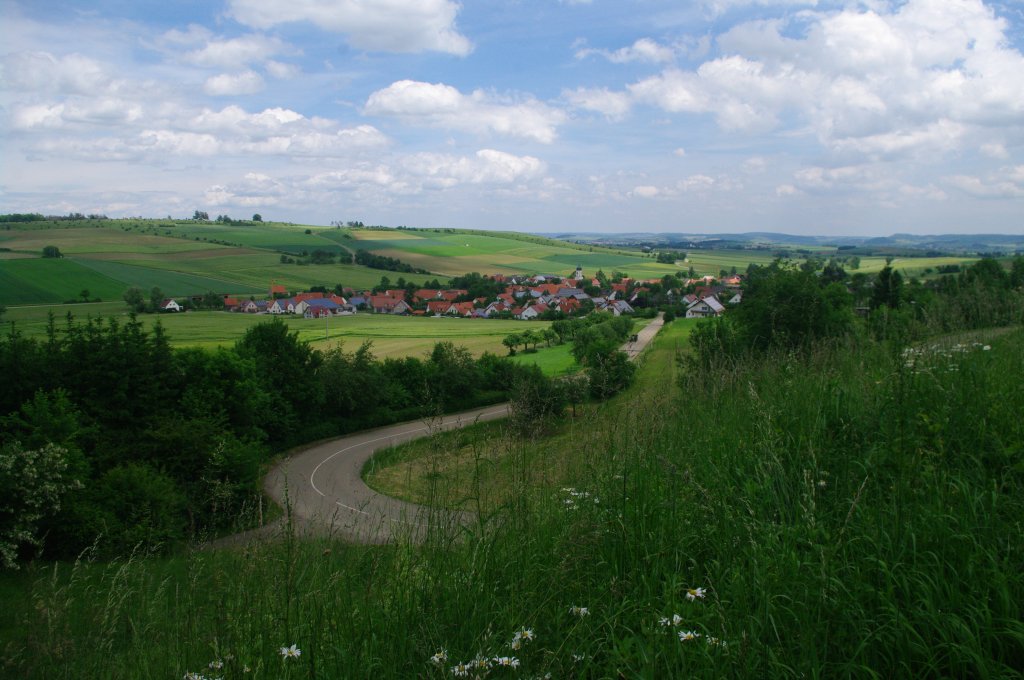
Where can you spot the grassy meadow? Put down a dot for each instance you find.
(854, 512)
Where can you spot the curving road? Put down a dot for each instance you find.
(326, 493)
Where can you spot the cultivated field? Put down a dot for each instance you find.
(392, 336)
(458, 253)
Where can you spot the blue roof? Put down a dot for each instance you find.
(323, 302)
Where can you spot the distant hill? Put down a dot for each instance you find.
(962, 244)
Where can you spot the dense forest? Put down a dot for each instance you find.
(111, 436)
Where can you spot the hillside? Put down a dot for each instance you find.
(184, 257)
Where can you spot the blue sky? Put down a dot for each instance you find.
(806, 117)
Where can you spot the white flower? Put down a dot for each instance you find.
(460, 670)
(676, 619)
(712, 640)
(194, 676)
(507, 661)
(579, 611)
(480, 663)
(292, 652)
(217, 664)
(439, 658)
(986, 348)
(579, 657)
(694, 593)
(686, 635)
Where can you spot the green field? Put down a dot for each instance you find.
(392, 336)
(458, 253)
(39, 281)
(556, 360)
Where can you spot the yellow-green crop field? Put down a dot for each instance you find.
(392, 336)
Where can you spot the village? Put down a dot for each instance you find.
(523, 297)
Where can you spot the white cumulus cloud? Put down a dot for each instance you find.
(440, 105)
(613, 105)
(235, 53)
(228, 84)
(643, 50)
(389, 26)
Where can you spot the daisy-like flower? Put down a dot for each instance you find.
(715, 642)
(506, 661)
(694, 594)
(439, 658)
(676, 619)
(461, 670)
(194, 676)
(579, 611)
(687, 635)
(480, 663)
(216, 664)
(292, 652)
(664, 622)
(579, 657)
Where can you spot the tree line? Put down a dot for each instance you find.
(792, 308)
(368, 259)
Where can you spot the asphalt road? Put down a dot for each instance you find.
(327, 496)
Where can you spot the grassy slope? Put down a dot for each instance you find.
(845, 514)
(39, 281)
(460, 469)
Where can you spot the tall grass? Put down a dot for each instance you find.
(856, 512)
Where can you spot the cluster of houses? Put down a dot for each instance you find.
(524, 297)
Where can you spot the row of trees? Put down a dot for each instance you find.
(108, 434)
(366, 258)
(794, 307)
(203, 216)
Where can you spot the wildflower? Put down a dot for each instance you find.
(579, 657)
(663, 621)
(986, 348)
(461, 670)
(676, 619)
(507, 661)
(480, 663)
(715, 642)
(194, 676)
(687, 635)
(439, 658)
(694, 594)
(579, 611)
(292, 652)
(216, 664)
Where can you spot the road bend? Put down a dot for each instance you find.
(324, 488)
